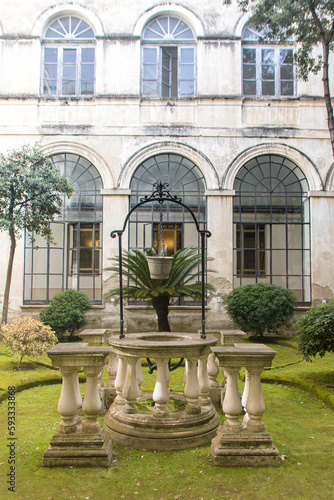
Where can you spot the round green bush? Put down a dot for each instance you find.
(261, 308)
(66, 312)
(315, 331)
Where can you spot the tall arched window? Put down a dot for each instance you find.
(185, 180)
(74, 259)
(168, 55)
(68, 57)
(272, 225)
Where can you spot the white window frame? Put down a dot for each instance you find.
(258, 64)
(158, 77)
(163, 32)
(60, 67)
(68, 33)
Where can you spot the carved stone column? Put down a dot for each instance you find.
(130, 390)
(204, 382)
(192, 389)
(76, 442)
(235, 444)
(161, 392)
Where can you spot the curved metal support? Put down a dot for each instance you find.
(160, 195)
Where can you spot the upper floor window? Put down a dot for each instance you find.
(267, 70)
(168, 55)
(68, 58)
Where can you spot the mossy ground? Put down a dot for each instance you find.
(301, 425)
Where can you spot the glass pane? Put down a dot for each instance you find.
(268, 88)
(268, 72)
(68, 88)
(249, 56)
(88, 55)
(187, 72)
(286, 56)
(187, 88)
(87, 88)
(268, 56)
(287, 88)
(287, 72)
(50, 71)
(56, 261)
(187, 55)
(50, 55)
(69, 72)
(249, 72)
(150, 72)
(87, 71)
(150, 55)
(249, 88)
(69, 55)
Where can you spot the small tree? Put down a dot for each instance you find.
(260, 308)
(315, 331)
(30, 197)
(311, 23)
(27, 337)
(66, 312)
(141, 286)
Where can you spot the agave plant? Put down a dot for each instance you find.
(141, 286)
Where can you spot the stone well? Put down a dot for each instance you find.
(161, 429)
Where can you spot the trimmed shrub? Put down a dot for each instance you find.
(261, 308)
(315, 331)
(27, 337)
(66, 312)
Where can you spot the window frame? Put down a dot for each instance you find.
(67, 41)
(159, 44)
(259, 48)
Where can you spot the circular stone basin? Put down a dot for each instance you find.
(160, 338)
(156, 344)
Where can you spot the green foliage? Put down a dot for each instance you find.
(66, 312)
(260, 308)
(315, 331)
(30, 191)
(180, 283)
(141, 286)
(27, 337)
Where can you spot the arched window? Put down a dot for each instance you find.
(184, 180)
(168, 55)
(68, 57)
(74, 259)
(272, 225)
(267, 68)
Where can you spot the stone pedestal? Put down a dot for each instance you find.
(244, 442)
(79, 442)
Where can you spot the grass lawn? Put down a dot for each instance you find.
(301, 425)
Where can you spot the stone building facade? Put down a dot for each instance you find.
(124, 94)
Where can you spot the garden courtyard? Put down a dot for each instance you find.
(299, 398)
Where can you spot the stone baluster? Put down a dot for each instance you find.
(130, 390)
(112, 369)
(91, 405)
(192, 389)
(161, 392)
(140, 376)
(232, 406)
(255, 404)
(69, 400)
(120, 380)
(213, 370)
(204, 382)
(245, 397)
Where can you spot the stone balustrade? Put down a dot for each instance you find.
(161, 428)
(244, 442)
(80, 442)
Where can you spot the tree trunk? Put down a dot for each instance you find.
(160, 305)
(9, 275)
(328, 101)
